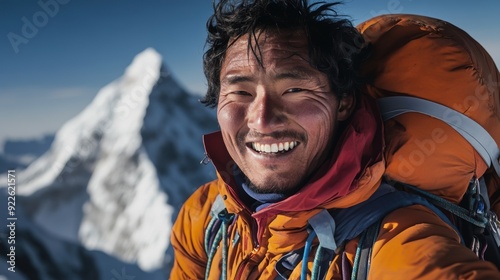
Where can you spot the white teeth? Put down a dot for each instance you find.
(275, 147)
(267, 148)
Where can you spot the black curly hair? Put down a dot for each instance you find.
(334, 44)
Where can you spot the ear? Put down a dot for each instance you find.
(346, 106)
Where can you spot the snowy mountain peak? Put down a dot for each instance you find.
(117, 111)
(117, 173)
(148, 61)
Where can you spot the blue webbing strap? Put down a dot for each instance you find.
(324, 226)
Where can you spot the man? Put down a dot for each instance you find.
(296, 138)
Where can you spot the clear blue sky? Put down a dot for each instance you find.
(82, 45)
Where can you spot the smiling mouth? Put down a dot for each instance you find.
(274, 148)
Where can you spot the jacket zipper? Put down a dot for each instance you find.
(256, 247)
(245, 263)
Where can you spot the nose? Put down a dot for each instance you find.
(266, 114)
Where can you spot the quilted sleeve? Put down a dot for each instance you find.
(414, 243)
(188, 232)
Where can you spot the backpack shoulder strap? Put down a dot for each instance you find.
(351, 222)
(363, 220)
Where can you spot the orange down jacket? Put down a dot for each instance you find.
(413, 242)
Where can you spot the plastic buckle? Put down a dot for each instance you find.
(476, 205)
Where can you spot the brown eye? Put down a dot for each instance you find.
(292, 90)
(241, 92)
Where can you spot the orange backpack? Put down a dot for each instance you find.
(438, 91)
(416, 59)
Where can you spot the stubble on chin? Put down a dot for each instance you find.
(272, 187)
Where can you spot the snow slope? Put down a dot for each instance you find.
(117, 173)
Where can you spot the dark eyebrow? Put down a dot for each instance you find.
(295, 75)
(299, 73)
(234, 79)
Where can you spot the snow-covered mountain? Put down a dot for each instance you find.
(117, 173)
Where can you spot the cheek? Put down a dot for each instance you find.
(317, 115)
(231, 117)
(318, 121)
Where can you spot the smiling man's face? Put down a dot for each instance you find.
(277, 120)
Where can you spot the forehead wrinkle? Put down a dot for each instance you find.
(281, 57)
(281, 45)
(293, 72)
